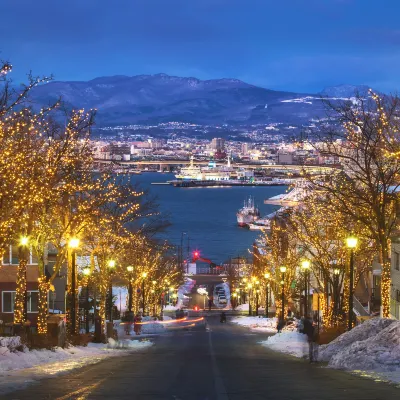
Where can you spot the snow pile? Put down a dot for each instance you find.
(126, 344)
(290, 342)
(11, 344)
(379, 352)
(16, 360)
(291, 325)
(361, 332)
(243, 307)
(257, 323)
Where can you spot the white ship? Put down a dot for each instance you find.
(192, 172)
(248, 214)
(209, 173)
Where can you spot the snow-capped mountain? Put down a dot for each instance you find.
(150, 99)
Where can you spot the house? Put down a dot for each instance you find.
(8, 279)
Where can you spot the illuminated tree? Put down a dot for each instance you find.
(365, 190)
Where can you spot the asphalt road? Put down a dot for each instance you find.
(219, 362)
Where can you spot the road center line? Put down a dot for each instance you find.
(219, 384)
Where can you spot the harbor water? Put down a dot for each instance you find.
(207, 215)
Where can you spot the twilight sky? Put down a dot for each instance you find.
(299, 45)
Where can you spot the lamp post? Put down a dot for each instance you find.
(111, 266)
(257, 292)
(267, 276)
(144, 275)
(283, 270)
(351, 243)
(130, 288)
(86, 272)
(305, 265)
(336, 273)
(249, 286)
(73, 245)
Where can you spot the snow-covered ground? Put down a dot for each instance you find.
(371, 349)
(19, 368)
(256, 323)
(289, 342)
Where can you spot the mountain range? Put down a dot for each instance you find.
(153, 99)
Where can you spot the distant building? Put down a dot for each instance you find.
(285, 158)
(245, 149)
(218, 144)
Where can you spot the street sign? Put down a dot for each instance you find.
(293, 284)
(138, 290)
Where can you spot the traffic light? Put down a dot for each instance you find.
(196, 255)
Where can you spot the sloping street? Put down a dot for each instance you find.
(211, 361)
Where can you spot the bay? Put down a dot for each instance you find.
(207, 216)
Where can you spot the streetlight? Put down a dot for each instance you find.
(249, 286)
(144, 275)
(111, 266)
(305, 265)
(130, 288)
(351, 243)
(86, 272)
(283, 270)
(336, 272)
(267, 276)
(73, 244)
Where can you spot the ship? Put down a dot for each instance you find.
(211, 172)
(248, 214)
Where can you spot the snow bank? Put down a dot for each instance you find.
(257, 323)
(361, 332)
(243, 307)
(290, 342)
(16, 360)
(380, 352)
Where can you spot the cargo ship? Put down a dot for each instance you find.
(248, 214)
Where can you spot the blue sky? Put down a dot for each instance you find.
(299, 45)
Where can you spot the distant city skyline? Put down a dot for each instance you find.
(291, 45)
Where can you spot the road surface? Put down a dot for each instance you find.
(219, 362)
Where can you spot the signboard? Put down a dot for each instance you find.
(293, 285)
(224, 279)
(138, 290)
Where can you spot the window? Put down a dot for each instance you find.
(397, 261)
(9, 300)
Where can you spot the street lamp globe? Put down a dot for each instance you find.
(111, 263)
(305, 264)
(267, 275)
(336, 271)
(24, 241)
(129, 268)
(351, 242)
(283, 269)
(86, 271)
(144, 274)
(73, 243)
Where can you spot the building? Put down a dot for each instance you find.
(395, 275)
(218, 144)
(8, 279)
(285, 158)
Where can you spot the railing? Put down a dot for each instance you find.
(209, 271)
(359, 309)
